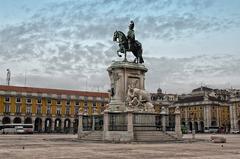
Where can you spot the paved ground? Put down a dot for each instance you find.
(61, 146)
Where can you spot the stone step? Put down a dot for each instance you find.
(152, 136)
(93, 136)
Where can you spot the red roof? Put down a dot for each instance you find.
(53, 91)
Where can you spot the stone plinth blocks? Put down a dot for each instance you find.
(122, 75)
(178, 130)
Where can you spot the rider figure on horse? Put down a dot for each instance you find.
(128, 43)
(131, 36)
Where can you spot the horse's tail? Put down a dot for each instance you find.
(140, 57)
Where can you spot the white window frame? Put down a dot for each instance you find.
(9, 99)
(67, 108)
(58, 101)
(38, 100)
(85, 109)
(49, 109)
(49, 99)
(77, 102)
(17, 100)
(40, 108)
(7, 110)
(68, 100)
(28, 99)
(76, 108)
(58, 110)
(30, 110)
(19, 108)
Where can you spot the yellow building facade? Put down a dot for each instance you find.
(49, 110)
(201, 110)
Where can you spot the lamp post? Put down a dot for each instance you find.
(193, 126)
(94, 114)
(178, 130)
(80, 124)
(163, 118)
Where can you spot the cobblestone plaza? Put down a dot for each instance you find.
(66, 146)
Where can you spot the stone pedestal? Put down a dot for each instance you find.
(178, 130)
(122, 75)
(115, 135)
(105, 124)
(163, 118)
(80, 124)
(93, 122)
(130, 125)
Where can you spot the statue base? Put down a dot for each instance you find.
(123, 74)
(130, 115)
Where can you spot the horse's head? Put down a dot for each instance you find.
(115, 35)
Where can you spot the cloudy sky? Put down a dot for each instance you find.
(68, 43)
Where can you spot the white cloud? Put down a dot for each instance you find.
(66, 44)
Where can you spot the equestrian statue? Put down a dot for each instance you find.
(128, 43)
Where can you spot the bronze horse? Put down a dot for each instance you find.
(123, 47)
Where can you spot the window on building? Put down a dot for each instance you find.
(102, 107)
(7, 99)
(94, 109)
(39, 109)
(68, 102)
(59, 102)
(76, 110)
(67, 110)
(49, 101)
(85, 106)
(102, 104)
(48, 109)
(18, 100)
(85, 109)
(85, 103)
(7, 108)
(18, 108)
(29, 100)
(94, 106)
(28, 110)
(58, 110)
(39, 101)
(77, 102)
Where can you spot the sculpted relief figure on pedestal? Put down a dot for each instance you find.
(139, 100)
(128, 43)
(114, 78)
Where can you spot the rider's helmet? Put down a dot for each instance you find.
(131, 25)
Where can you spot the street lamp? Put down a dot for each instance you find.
(193, 126)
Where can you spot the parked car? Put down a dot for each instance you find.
(206, 130)
(235, 132)
(213, 129)
(19, 130)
